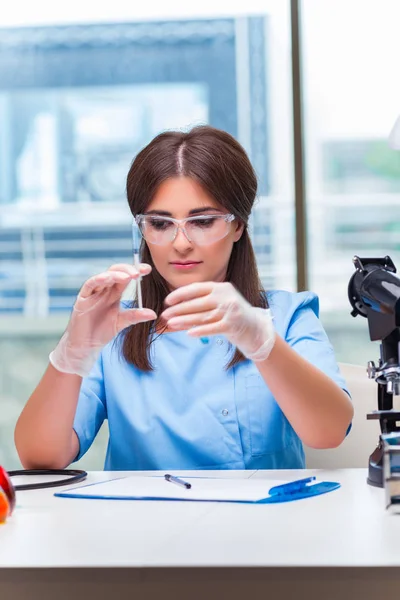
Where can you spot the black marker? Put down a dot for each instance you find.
(178, 481)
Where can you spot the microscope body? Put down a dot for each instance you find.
(374, 293)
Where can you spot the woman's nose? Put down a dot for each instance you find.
(181, 242)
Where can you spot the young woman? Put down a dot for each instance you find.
(215, 373)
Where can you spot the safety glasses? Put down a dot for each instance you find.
(200, 229)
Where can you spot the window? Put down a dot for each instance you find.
(78, 99)
(351, 100)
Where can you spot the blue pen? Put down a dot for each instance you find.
(290, 488)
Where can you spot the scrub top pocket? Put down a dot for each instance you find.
(268, 426)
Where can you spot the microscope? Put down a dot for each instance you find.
(374, 293)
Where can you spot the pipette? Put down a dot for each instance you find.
(136, 261)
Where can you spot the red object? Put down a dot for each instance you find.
(8, 488)
(4, 506)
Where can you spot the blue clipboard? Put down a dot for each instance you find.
(287, 492)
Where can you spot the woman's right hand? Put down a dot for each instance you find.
(97, 318)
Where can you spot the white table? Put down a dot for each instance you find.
(340, 545)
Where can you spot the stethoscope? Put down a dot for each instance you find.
(72, 476)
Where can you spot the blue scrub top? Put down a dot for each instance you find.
(190, 412)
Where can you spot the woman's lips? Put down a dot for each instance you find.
(185, 266)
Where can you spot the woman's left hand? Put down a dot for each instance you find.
(210, 308)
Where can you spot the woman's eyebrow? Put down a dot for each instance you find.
(195, 211)
(203, 209)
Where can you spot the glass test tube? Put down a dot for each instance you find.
(136, 261)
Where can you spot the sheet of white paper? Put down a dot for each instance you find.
(158, 488)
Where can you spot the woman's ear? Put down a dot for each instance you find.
(238, 231)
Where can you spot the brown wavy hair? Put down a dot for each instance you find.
(215, 160)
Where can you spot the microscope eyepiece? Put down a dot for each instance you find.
(374, 293)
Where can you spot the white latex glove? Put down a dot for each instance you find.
(97, 318)
(211, 308)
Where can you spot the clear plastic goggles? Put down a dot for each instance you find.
(199, 229)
